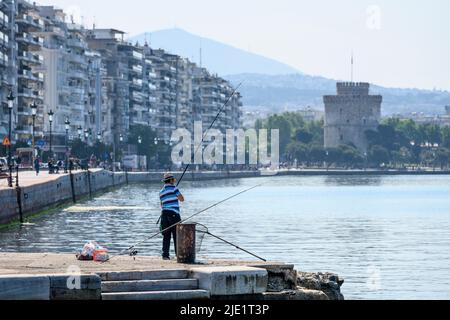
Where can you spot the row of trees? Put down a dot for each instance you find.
(395, 144)
(157, 152)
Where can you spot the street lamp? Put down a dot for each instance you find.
(86, 135)
(139, 156)
(67, 124)
(99, 136)
(365, 161)
(10, 99)
(80, 132)
(34, 108)
(50, 120)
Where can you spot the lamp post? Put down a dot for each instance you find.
(121, 149)
(86, 135)
(50, 120)
(156, 151)
(365, 161)
(327, 154)
(80, 132)
(67, 124)
(139, 156)
(10, 99)
(33, 114)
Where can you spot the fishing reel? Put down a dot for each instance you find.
(133, 253)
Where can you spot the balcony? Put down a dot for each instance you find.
(29, 75)
(76, 43)
(36, 24)
(4, 20)
(137, 69)
(4, 40)
(137, 55)
(30, 40)
(3, 59)
(31, 58)
(76, 74)
(78, 59)
(30, 94)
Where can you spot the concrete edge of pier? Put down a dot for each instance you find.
(49, 276)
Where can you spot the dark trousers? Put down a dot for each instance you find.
(169, 218)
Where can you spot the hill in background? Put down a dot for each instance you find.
(273, 86)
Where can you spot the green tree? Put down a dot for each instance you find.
(443, 157)
(378, 155)
(281, 123)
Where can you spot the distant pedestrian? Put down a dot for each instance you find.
(37, 165)
(170, 197)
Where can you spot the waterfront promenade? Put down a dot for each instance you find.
(29, 178)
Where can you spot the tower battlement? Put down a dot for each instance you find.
(350, 114)
(353, 88)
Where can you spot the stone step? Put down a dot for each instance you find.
(158, 295)
(144, 275)
(149, 285)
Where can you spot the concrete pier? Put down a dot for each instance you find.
(62, 277)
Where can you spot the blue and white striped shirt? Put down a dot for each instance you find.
(169, 198)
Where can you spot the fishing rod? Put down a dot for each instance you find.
(204, 135)
(210, 127)
(227, 242)
(131, 249)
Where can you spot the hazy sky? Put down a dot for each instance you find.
(396, 43)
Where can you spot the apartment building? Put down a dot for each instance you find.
(7, 62)
(103, 84)
(19, 65)
(211, 93)
(30, 79)
(66, 76)
(119, 66)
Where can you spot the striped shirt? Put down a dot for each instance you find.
(169, 198)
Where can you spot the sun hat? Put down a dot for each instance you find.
(167, 177)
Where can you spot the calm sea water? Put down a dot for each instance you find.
(389, 237)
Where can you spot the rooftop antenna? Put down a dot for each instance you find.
(201, 54)
(93, 25)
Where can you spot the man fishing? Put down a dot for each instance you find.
(170, 198)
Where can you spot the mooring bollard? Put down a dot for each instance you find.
(186, 243)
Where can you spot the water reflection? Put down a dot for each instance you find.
(353, 180)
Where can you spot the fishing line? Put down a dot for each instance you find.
(225, 241)
(133, 252)
(206, 132)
